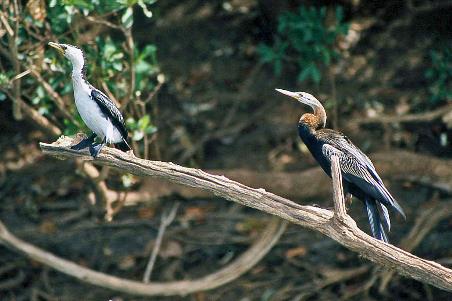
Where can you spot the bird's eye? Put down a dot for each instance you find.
(64, 47)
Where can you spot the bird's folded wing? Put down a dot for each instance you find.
(110, 110)
(359, 170)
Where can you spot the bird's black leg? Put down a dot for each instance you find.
(84, 143)
(94, 149)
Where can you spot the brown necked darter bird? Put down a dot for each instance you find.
(359, 175)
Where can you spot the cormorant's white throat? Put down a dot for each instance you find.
(97, 111)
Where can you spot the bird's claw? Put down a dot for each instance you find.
(95, 149)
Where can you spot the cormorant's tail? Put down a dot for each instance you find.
(375, 222)
(123, 145)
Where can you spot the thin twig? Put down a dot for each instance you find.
(35, 117)
(103, 22)
(167, 219)
(20, 75)
(118, 206)
(5, 23)
(100, 187)
(155, 113)
(13, 42)
(103, 175)
(110, 95)
(131, 50)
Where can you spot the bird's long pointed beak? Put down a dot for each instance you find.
(57, 47)
(288, 93)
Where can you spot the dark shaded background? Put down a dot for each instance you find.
(218, 110)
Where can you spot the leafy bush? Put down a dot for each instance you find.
(305, 39)
(440, 74)
(115, 64)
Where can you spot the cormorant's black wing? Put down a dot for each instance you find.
(357, 168)
(110, 110)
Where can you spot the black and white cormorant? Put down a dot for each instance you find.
(97, 111)
(359, 175)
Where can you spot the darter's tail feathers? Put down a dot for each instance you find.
(375, 222)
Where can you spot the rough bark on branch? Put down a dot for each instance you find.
(344, 231)
(310, 183)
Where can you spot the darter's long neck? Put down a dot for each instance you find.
(320, 113)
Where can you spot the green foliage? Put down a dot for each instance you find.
(68, 8)
(140, 127)
(304, 38)
(439, 74)
(71, 128)
(115, 63)
(4, 79)
(4, 82)
(146, 66)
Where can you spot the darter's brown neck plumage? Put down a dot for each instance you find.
(314, 121)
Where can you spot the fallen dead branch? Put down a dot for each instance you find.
(342, 229)
(238, 267)
(408, 118)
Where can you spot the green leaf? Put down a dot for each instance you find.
(143, 122)
(117, 66)
(303, 37)
(315, 73)
(266, 53)
(146, 12)
(304, 74)
(79, 4)
(4, 79)
(127, 18)
(127, 180)
(131, 123)
(137, 135)
(69, 128)
(151, 130)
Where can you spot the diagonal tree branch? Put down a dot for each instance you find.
(344, 231)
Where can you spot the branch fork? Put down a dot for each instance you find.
(338, 191)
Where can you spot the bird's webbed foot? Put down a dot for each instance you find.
(95, 149)
(84, 143)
